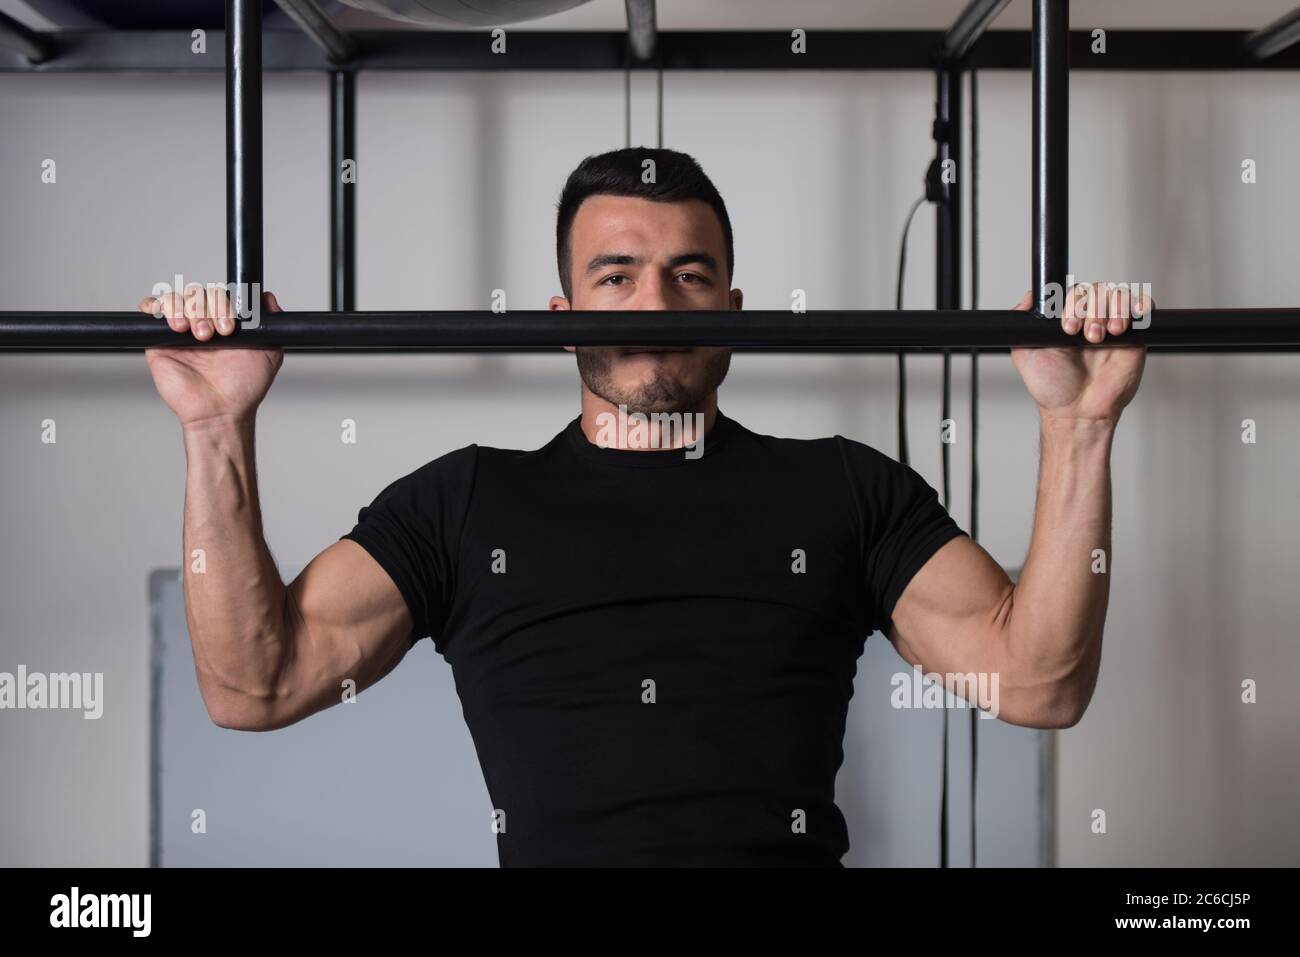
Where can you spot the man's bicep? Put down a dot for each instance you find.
(348, 621)
(950, 616)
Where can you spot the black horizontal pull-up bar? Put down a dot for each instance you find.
(1210, 330)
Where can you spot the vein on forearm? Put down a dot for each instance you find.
(1059, 603)
(236, 608)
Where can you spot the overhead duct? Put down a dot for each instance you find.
(463, 13)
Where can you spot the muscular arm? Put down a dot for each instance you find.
(268, 655)
(961, 614)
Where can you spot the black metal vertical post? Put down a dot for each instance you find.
(947, 133)
(947, 294)
(1051, 66)
(244, 153)
(343, 191)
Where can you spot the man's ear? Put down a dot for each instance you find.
(737, 300)
(560, 304)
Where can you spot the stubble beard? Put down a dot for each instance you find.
(663, 393)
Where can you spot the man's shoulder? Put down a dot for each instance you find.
(834, 448)
(476, 457)
(829, 451)
(463, 459)
(449, 470)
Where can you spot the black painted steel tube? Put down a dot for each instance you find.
(1226, 330)
(244, 152)
(170, 51)
(343, 192)
(1274, 38)
(947, 233)
(1051, 150)
(30, 45)
(970, 26)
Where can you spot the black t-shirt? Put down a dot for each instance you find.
(655, 653)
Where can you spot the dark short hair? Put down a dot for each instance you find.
(678, 177)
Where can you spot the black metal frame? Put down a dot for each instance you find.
(1274, 38)
(25, 42)
(833, 331)
(169, 51)
(1051, 145)
(969, 27)
(343, 195)
(244, 153)
(323, 47)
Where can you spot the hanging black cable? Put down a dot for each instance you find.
(945, 414)
(660, 95)
(974, 299)
(903, 457)
(943, 789)
(974, 398)
(627, 95)
(902, 358)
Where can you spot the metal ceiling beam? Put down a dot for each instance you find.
(24, 41)
(170, 51)
(970, 26)
(1279, 35)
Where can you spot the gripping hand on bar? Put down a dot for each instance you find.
(209, 385)
(1086, 384)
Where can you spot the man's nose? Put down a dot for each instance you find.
(653, 292)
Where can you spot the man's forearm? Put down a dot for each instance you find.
(1059, 604)
(234, 596)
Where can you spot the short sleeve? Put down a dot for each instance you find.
(413, 530)
(902, 524)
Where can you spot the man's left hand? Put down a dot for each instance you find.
(1079, 382)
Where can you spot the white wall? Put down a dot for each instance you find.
(459, 175)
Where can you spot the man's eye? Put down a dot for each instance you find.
(690, 276)
(610, 280)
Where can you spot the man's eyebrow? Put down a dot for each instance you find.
(612, 259)
(699, 256)
(626, 259)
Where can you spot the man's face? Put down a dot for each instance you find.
(629, 253)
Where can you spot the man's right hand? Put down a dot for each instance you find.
(208, 386)
(266, 655)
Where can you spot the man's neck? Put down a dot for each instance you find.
(610, 426)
